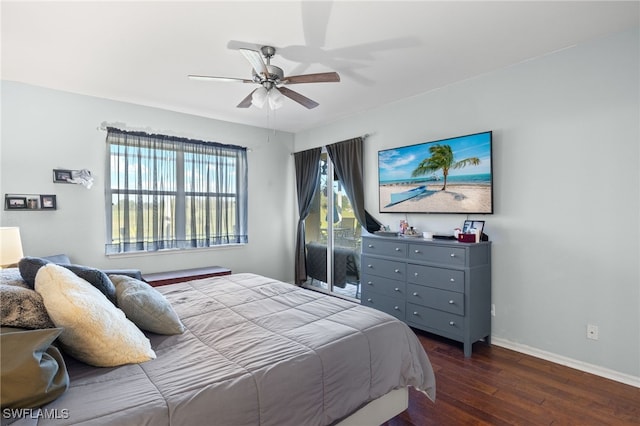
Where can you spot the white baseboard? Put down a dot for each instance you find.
(569, 362)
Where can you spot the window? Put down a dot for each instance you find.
(173, 193)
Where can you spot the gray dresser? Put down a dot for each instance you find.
(439, 286)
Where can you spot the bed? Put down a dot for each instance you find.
(254, 351)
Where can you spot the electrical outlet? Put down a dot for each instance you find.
(592, 332)
(493, 310)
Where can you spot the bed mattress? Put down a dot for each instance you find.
(256, 351)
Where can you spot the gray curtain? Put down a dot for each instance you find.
(307, 178)
(347, 160)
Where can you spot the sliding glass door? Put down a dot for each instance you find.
(332, 238)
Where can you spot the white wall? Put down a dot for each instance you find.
(45, 129)
(567, 215)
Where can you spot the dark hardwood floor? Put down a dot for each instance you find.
(498, 386)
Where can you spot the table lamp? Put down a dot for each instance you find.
(10, 246)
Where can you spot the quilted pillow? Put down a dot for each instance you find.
(29, 267)
(95, 331)
(146, 306)
(33, 372)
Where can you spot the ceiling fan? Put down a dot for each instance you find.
(272, 81)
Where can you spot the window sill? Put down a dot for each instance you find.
(174, 251)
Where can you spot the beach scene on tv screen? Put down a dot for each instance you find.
(447, 176)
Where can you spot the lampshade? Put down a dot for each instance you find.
(10, 246)
(275, 98)
(259, 97)
(263, 95)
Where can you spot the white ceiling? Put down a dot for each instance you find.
(142, 52)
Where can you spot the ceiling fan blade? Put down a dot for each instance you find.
(302, 100)
(237, 44)
(211, 77)
(246, 102)
(323, 77)
(255, 59)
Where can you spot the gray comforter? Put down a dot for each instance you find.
(256, 352)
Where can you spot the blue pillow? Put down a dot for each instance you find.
(29, 267)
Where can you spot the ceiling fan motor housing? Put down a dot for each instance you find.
(274, 77)
(275, 73)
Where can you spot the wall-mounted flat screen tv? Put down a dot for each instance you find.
(445, 176)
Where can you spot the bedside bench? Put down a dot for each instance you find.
(172, 277)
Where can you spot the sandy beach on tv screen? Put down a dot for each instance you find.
(459, 198)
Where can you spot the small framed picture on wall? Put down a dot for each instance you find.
(48, 202)
(62, 176)
(16, 203)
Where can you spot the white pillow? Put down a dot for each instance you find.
(95, 331)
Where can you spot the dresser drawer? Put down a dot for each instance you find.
(384, 286)
(435, 319)
(443, 278)
(390, 305)
(444, 300)
(395, 270)
(385, 248)
(452, 256)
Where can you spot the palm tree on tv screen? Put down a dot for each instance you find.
(442, 158)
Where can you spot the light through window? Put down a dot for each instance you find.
(174, 193)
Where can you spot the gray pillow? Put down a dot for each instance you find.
(60, 259)
(22, 307)
(33, 372)
(29, 267)
(11, 276)
(146, 306)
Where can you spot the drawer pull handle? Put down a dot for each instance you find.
(396, 289)
(453, 255)
(397, 248)
(397, 271)
(369, 266)
(396, 308)
(452, 323)
(417, 251)
(453, 280)
(370, 245)
(415, 293)
(451, 302)
(370, 283)
(415, 274)
(369, 300)
(415, 313)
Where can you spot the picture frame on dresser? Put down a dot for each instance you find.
(469, 225)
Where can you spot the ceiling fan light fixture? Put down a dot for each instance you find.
(275, 98)
(259, 97)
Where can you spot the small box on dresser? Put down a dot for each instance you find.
(443, 287)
